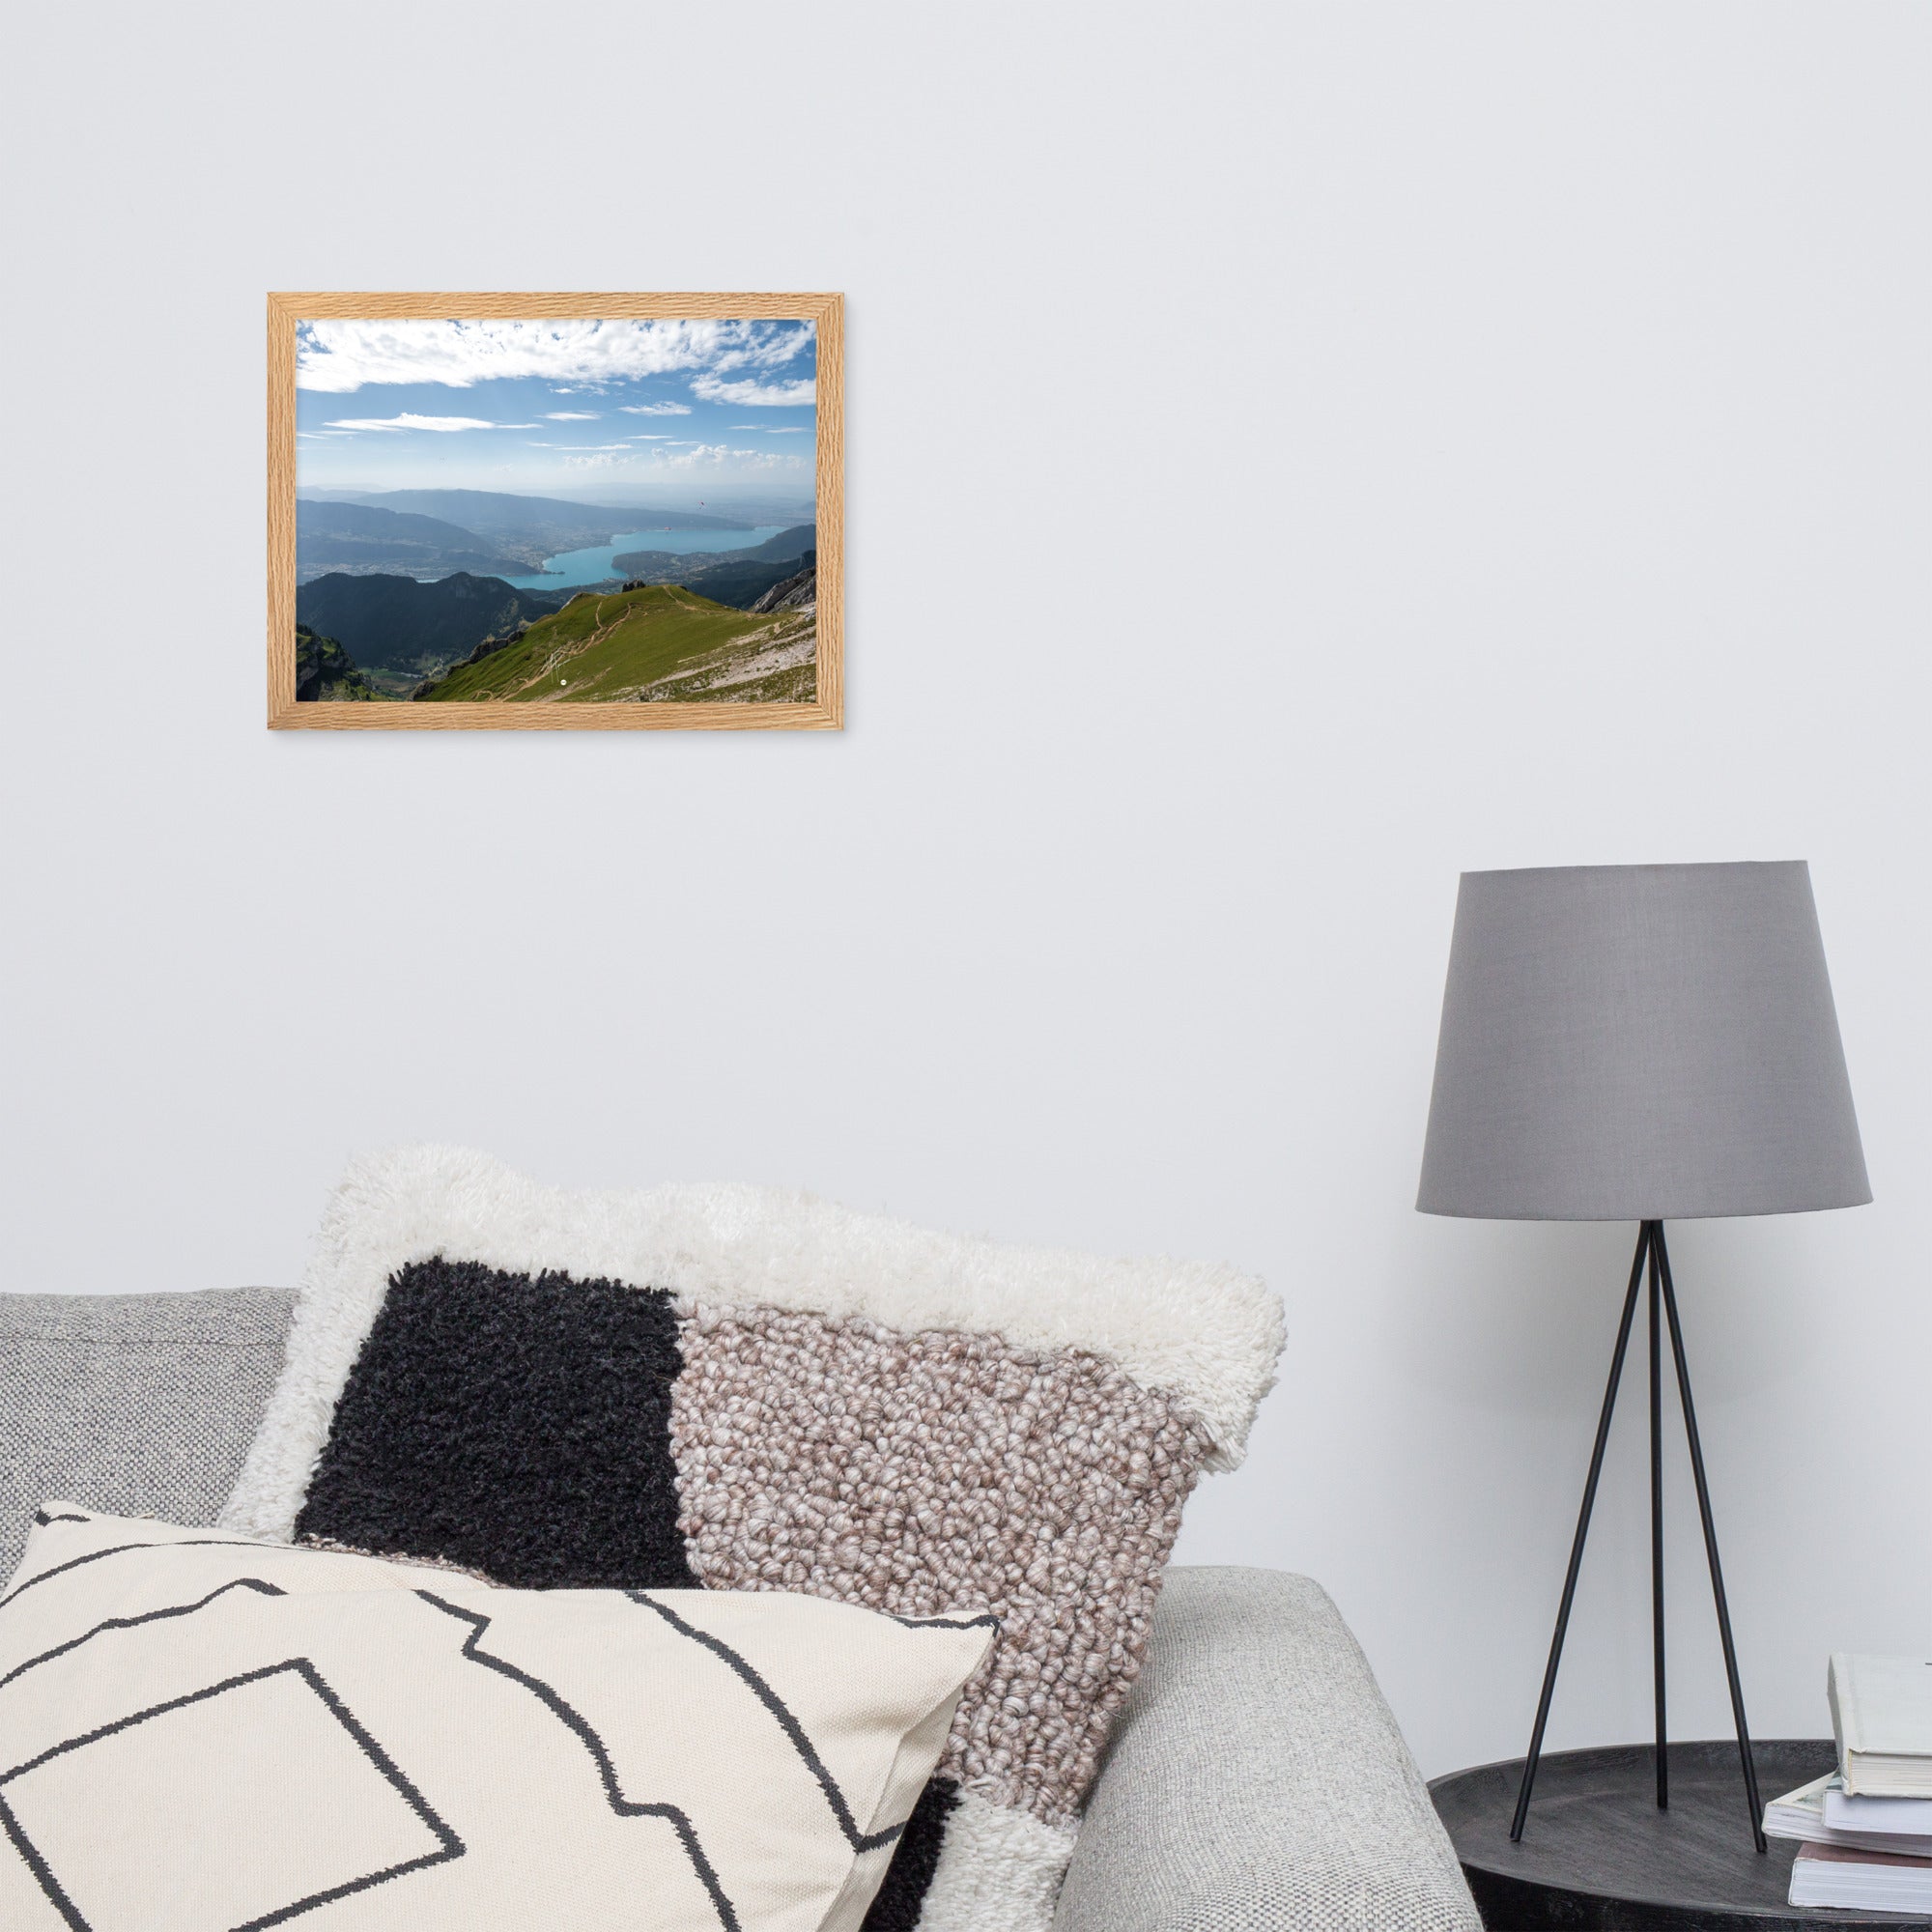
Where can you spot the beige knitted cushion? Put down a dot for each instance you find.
(745, 1389)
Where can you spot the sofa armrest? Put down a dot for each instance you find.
(1256, 1781)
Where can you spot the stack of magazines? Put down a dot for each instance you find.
(1865, 1828)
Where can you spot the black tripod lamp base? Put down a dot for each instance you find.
(1653, 1257)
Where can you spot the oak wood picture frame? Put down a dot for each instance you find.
(826, 712)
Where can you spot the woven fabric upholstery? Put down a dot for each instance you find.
(137, 1404)
(1256, 1781)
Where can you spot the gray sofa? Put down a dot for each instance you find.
(1255, 1780)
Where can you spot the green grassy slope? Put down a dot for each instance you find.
(613, 648)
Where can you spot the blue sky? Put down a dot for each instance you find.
(669, 414)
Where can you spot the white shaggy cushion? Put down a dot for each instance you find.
(1205, 1333)
(200, 1732)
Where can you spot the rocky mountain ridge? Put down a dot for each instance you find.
(327, 674)
(795, 593)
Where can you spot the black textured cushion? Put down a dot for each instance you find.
(512, 1424)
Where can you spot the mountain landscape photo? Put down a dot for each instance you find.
(528, 512)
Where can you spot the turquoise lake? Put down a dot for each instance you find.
(592, 566)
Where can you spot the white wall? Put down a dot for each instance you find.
(1296, 453)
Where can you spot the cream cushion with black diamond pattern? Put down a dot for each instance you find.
(204, 1733)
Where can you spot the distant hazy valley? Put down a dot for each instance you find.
(432, 533)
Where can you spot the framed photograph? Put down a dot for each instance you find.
(556, 512)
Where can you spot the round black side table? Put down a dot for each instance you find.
(1598, 1856)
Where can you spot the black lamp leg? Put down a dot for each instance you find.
(1582, 1532)
(1663, 1263)
(1657, 1515)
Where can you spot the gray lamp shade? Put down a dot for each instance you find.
(1639, 1042)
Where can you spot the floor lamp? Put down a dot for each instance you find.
(1640, 1043)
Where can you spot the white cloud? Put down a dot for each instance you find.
(570, 416)
(720, 456)
(580, 447)
(651, 436)
(778, 343)
(407, 421)
(655, 408)
(342, 354)
(756, 395)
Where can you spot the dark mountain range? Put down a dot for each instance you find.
(365, 520)
(359, 536)
(743, 586)
(794, 542)
(326, 673)
(396, 624)
(734, 577)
